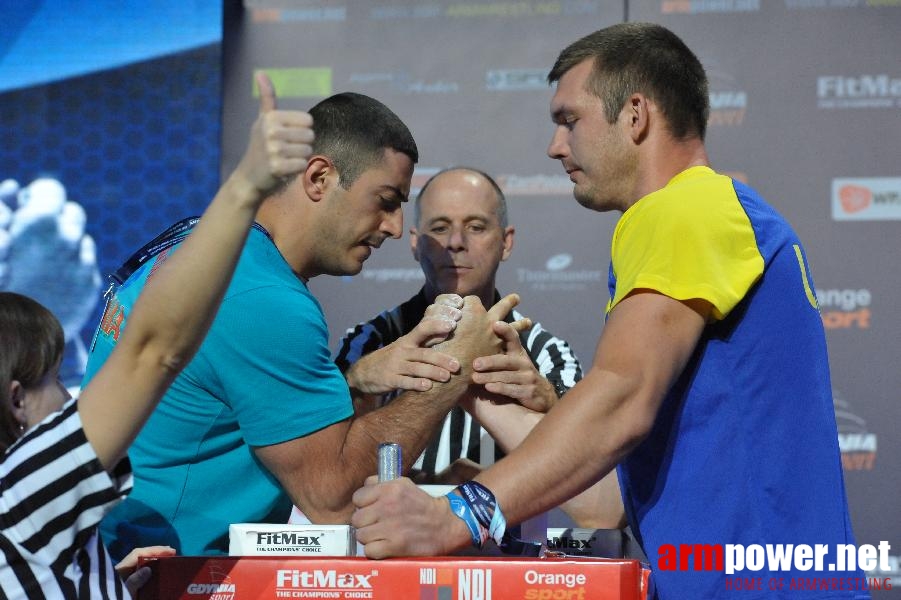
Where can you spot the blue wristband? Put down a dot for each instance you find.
(484, 506)
(497, 529)
(491, 521)
(461, 508)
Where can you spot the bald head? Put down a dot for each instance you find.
(465, 180)
(461, 233)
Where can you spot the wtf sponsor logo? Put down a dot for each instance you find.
(858, 91)
(727, 108)
(866, 199)
(727, 98)
(856, 443)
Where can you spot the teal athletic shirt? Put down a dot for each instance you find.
(744, 449)
(263, 376)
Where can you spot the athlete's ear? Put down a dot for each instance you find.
(318, 176)
(638, 113)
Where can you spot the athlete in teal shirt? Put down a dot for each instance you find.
(194, 471)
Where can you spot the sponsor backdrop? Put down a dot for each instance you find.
(806, 107)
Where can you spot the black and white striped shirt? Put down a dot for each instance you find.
(458, 438)
(53, 493)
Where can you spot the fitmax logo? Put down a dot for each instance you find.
(568, 542)
(865, 91)
(865, 86)
(287, 538)
(293, 578)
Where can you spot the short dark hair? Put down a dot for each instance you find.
(646, 58)
(354, 131)
(32, 343)
(501, 210)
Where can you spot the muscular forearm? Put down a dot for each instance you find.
(647, 341)
(323, 489)
(576, 444)
(598, 507)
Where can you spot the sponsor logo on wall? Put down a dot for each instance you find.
(477, 10)
(877, 90)
(404, 82)
(531, 185)
(845, 308)
(708, 6)
(393, 12)
(728, 99)
(275, 11)
(727, 107)
(520, 8)
(390, 275)
(857, 444)
(511, 185)
(866, 199)
(300, 82)
(557, 276)
(838, 4)
(516, 80)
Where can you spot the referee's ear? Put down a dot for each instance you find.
(509, 232)
(414, 243)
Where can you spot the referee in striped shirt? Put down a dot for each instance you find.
(461, 236)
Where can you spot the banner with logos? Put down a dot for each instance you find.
(806, 107)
